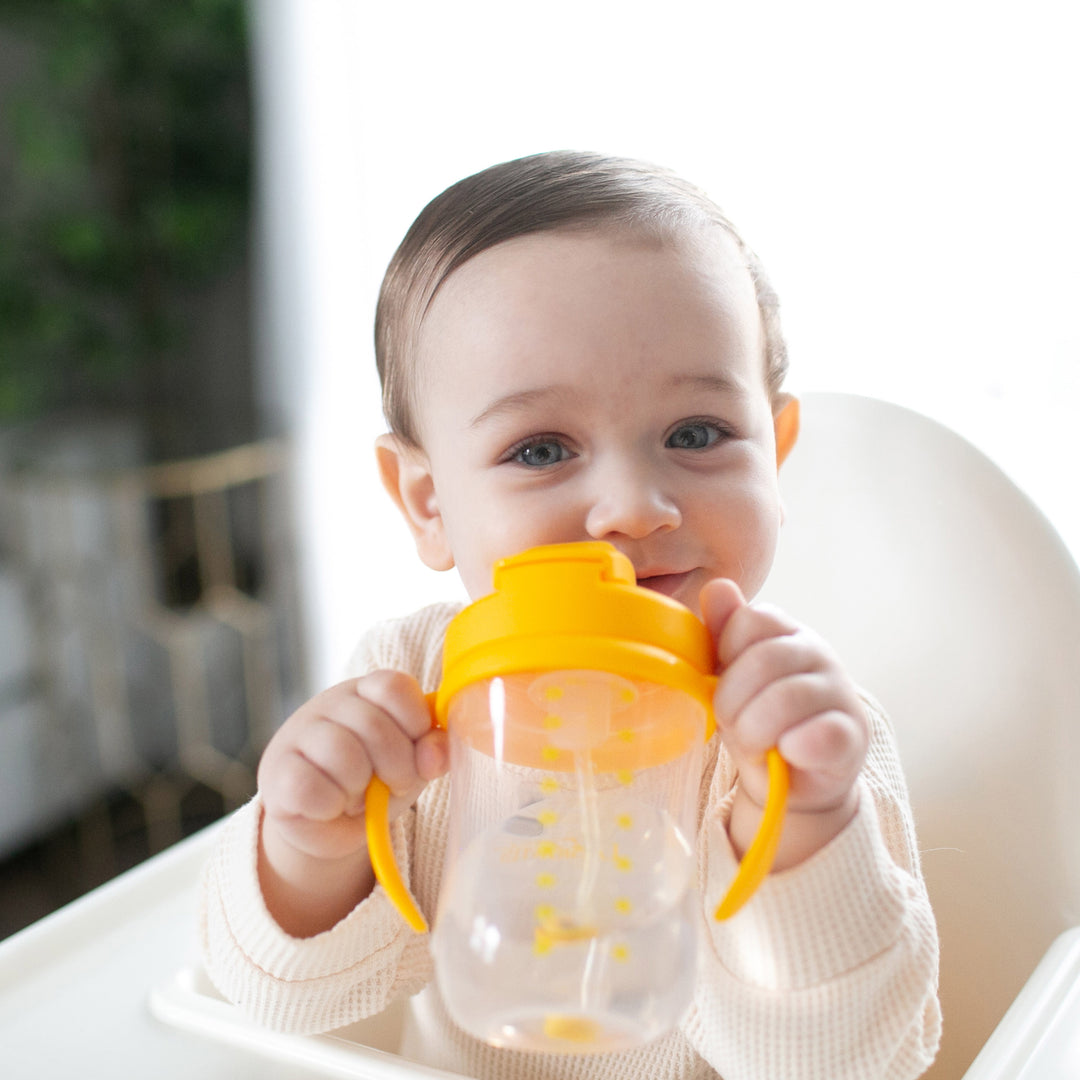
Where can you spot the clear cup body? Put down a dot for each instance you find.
(567, 919)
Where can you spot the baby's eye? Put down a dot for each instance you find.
(693, 435)
(540, 453)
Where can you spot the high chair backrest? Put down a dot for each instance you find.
(955, 603)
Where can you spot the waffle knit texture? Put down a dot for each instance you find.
(828, 973)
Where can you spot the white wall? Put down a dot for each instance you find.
(907, 173)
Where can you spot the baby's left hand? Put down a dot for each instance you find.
(781, 685)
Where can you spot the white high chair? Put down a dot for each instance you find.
(949, 597)
(954, 602)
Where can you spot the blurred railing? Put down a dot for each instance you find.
(161, 640)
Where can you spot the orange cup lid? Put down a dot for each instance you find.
(576, 607)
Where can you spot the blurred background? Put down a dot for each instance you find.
(150, 634)
(198, 202)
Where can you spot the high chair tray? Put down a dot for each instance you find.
(1039, 1037)
(366, 1049)
(110, 987)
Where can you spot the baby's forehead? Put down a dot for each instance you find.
(592, 297)
(706, 249)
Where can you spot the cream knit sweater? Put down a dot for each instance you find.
(829, 973)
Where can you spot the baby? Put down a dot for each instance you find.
(575, 347)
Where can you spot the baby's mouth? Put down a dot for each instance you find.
(668, 584)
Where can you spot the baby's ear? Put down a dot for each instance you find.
(786, 425)
(406, 475)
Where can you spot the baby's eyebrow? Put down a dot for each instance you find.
(716, 382)
(521, 399)
(700, 382)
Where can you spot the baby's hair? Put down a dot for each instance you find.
(544, 192)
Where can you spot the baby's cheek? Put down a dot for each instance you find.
(754, 529)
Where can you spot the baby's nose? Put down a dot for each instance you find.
(631, 503)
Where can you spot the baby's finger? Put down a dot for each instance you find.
(292, 786)
(340, 742)
(762, 663)
(384, 712)
(432, 754)
(832, 744)
(388, 748)
(320, 763)
(750, 624)
(779, 706)
(719, 599)
(399, 696)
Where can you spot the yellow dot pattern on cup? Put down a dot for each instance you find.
(551, 931)
(625, 776)
(545, 880)
(626, 735)
(552, 722)
(547, 817)
(575, 1029)
(627, 695)
(549, 753)
(623, 905)
(553, 693)
(621, 953)
(549, 785)
(622, 862)
(545, 849)
(624, 821)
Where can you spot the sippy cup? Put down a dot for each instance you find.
(578, 705)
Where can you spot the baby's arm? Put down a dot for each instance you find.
(782, 686)
(313, 861)
(830, 971)
(370, 957)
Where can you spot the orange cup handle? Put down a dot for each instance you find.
(759, 857)
(381, 850)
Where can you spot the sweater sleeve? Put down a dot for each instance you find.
(830, 972)
(301, 984)
(370, 957)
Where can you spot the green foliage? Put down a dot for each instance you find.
(125, 172)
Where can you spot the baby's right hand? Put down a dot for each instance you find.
(316, 769)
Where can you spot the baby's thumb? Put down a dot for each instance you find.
(720, 599)
(432, 754)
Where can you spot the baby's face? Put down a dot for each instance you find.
(602, 385)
